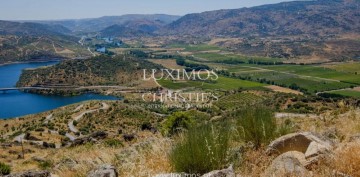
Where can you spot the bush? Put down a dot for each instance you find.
(285, 128)
(201, 149)
(256, 124)
(4, 169)
(113, 143)
(45, 164)
(176, 123)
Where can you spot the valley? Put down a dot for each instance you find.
(270, 90)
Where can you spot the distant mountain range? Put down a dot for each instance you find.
(152, 22)
(27, 40)
(288, 18)
(319, 17)
(29, 28)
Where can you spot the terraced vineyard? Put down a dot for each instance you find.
(233, 59)
(305, 84)
(347, 93)
(316, 71)
(352, 67)
(237, 100)
(221, 83)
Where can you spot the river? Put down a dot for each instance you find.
(16, 103)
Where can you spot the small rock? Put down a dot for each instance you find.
(229, 172)
(174, 175)
(31, 174)
(28, 136)
(354, 138)
(104, 171)
(316, 149)
(288, 164)
(6, 145)
(38, 159)
(91, 138)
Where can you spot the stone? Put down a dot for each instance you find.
(91, 138)
(355, 138)
(31, 174)
(229, 172)
(38, 159)
(288, 164)
(296, 142)
(104, 171)
(315, 149)
(175, 175)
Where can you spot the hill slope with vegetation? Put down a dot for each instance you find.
(320, 17)
(101, 70)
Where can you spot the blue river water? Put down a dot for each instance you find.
(16, 103)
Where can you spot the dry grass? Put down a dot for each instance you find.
(141, 159)
(347, 159)
(254, 163)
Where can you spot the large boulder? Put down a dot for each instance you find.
(104, 171)
(297, 142)
(31, 174)
(229, 172)
(288, 164)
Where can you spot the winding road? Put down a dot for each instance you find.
(77, 118)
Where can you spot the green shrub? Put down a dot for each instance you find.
(45, 164)
(285, 128)
(176, 123)
(113, 143)
(256, 124)
(4, 169)
(201, 149)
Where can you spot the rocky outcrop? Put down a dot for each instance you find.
(288, 164)
(31, 174)
(104, 171)
(91, 138)
(298, 142)
(298, 152)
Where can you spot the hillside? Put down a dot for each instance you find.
(102, 70)
(320, 17)
(124, 31)
(21, 42)
(98, 24)
(33, 29)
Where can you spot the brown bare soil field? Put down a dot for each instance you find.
(168, 63)
(283, 90)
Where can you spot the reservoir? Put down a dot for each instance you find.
(16, 103)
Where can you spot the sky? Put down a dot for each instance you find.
(77, 9)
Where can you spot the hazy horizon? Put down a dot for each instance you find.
(80, 9)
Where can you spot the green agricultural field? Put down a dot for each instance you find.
(348, 93)
(305, 84)
(230, 58)
(236, 100)
(346, 67)
(222, 83)
(317, 72)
